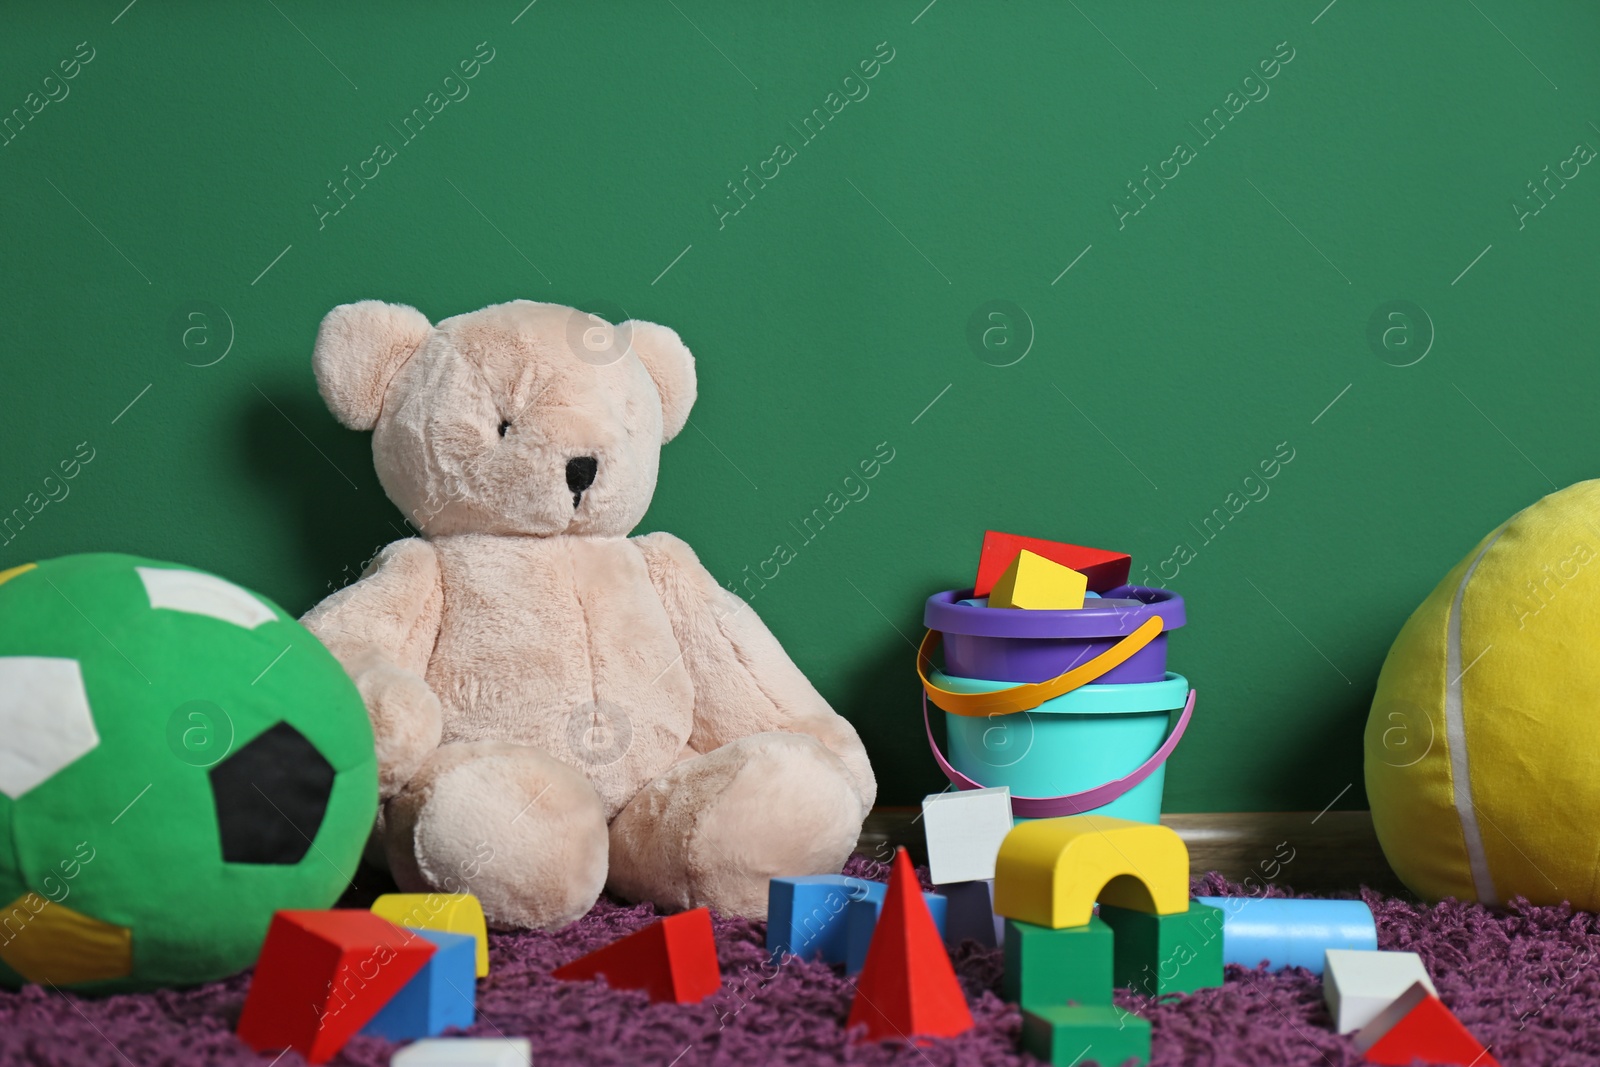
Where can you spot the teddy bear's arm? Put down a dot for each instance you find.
(744, 682)
(382, 628)
(393, 609)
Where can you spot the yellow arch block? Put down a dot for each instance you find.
(452, 913)
(1050, 872)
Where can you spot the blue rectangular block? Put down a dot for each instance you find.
(444, 993)
(806, 915)
(862, 919)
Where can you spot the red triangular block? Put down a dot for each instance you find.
(907, 989)
(1417, 1026)
(1104, 569)
(672, 960)
(322, 976)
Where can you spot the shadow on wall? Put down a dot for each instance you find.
(880, 700)
(1328, 738)
(321, 474)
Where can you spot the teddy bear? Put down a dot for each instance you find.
(560, 707)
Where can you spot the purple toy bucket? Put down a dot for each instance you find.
(1012, 645)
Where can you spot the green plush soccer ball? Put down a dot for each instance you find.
(179, 759)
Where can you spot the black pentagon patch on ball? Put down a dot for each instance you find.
(271, 796)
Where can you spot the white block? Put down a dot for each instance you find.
(964, 831)
(1358, 985)
(465, 1052)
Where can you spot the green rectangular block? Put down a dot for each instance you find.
(1045, 967)
(1075, 1035)
(1158, 954)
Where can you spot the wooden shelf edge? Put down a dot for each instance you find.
(1309, 852)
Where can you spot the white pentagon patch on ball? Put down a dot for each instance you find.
(45, 718)
(203, 594)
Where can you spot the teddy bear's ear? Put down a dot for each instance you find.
(671, 367)
(359, 348)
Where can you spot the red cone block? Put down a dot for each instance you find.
(1105, 569)
(907, 989)
(322, 976)
(673, 960)
(1417, 1026)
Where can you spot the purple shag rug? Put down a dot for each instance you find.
(1523, 979)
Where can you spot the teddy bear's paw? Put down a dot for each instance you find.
(714, 829)
(507, 823)
(406, 721)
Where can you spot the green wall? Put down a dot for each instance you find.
(180, 171)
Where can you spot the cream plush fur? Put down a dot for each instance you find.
(560, 707)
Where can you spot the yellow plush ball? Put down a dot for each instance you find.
(1483, 745)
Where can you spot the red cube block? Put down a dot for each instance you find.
(322, 976)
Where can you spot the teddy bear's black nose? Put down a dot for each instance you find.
(580, 475)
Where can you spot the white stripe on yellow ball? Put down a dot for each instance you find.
(1456, 740)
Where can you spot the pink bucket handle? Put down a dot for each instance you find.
(1071, 803)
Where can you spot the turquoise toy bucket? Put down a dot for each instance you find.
(1072, 743)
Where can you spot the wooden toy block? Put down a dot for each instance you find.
(1291, 931)
(673, 960)
(964, 830)
(807, 916)
(322, 976)
(861, 920)
(1357, 985)
(1037, 584)
(441, 995)
(1159, 954)
(969, 914)
(908, 990)
(466, 1052)
(1078, 1035)
(1104, 570)
(1045, 967)
(1050, 872)
(1417, 1026)
(455, 913)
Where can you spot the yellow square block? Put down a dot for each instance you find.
(1050, 872)
(453, 913)
(1040, 584)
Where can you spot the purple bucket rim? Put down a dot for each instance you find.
(947, 616)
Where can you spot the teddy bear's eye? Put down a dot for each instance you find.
(504, 426)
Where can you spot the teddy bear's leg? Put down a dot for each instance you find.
(507, 823)
(714, 828)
